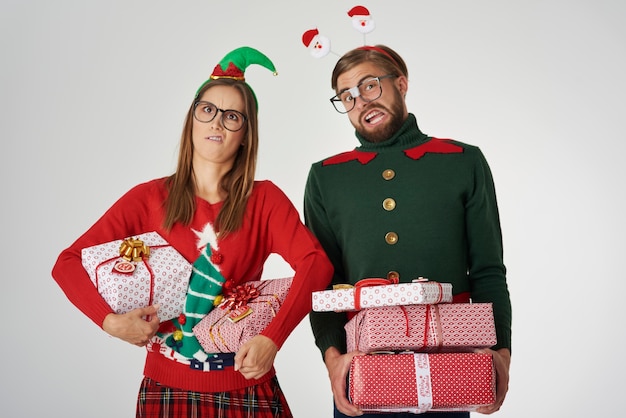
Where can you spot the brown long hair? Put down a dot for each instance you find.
(180, 204)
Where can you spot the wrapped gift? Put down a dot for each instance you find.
(445, 327)
(353, 298)
(138, 272)
(243, 313)
(421, 382)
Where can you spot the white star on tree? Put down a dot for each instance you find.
(206, 236)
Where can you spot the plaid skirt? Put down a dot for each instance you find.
(265, 400)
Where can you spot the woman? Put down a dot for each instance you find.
(211, 206)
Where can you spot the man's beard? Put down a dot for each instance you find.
(383, 133)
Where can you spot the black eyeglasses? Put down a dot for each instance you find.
(368, 90)
(232, 120)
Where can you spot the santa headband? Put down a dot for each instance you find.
(235, 63)
(380, 51)
(319, 45)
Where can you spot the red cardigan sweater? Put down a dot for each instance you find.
(271, 225)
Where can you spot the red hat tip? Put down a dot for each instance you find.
(358, 11)
(308, 36)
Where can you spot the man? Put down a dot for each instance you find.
(403, 205)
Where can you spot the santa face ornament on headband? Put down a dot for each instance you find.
(319, 45)
(361, 19)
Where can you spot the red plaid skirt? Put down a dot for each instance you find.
(265, 400)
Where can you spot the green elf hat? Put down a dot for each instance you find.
(234, 64)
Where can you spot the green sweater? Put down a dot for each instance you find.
(410, 206)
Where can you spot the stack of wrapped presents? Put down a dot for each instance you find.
(419, 346)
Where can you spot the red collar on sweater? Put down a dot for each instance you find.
(435, 145)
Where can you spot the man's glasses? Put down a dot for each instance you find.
(368, 90)
(232, 120)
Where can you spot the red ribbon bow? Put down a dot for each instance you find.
(372, 281)
(240, 296)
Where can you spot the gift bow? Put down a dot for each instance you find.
(240, 296)
(133, 249)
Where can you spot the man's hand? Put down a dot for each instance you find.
(136, 327)
(256, 357)
(502, 363)
(338, 366)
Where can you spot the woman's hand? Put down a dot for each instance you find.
(256, 357)
(136, 327)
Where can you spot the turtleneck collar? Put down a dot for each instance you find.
(408, 135)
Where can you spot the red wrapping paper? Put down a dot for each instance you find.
(426, 328)
(421, 382)
(216, 333)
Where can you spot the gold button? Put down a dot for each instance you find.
(389, 204)
(388, 174)
(393, 275)
(391, 238)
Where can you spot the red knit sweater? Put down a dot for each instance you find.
(271, 225)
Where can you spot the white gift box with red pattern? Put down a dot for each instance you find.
(243, 314)
(421, 382)
(443, 327)
(357, 297)
(161, 277)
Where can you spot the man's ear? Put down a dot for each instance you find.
(403, 85)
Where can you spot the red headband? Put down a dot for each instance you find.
(379, 50)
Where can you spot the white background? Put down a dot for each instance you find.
(93, 97)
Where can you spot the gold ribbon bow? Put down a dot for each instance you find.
(133, 249)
